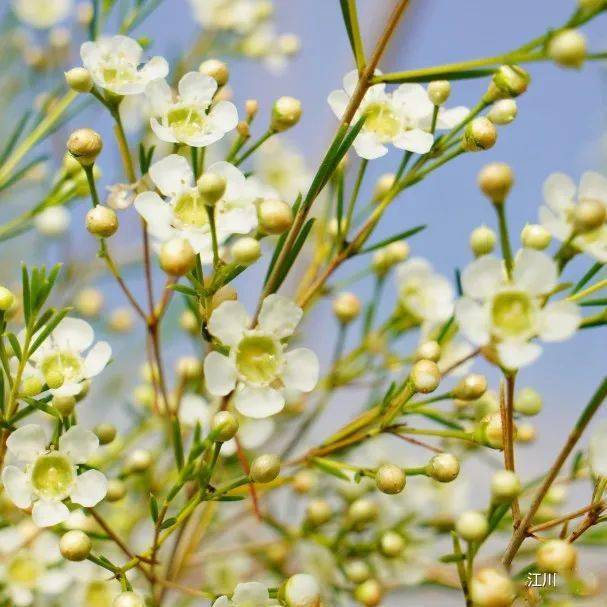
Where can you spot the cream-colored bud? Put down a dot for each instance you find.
(216, 69)
(429, 350)
(85, 145)
(493, 432)
(491, 588)
(556, 556)
(346, 307)
(177, 257)
(589, 215)
(189, 367)
(495, 181)
(251, 107)
(70, 165)
(89, 302)
(568, 48)
(471, 387)
(383, 185)
(380, 263)
(480, 134)
(391, 544)
(225, 425)
(526, 433)
(65, 404)
(75, 545)
(286, 113)
(144, 395)
(301, 590)
(505, 486)
(482, 241)
(503, 111)
(246, 250)
(443, 467)
(54, 379)
(275, 216)
(128, 599)
(211, 187)
(357, 571)
(188, 321)
(362, 511)
(472, 525)
(304, 481)
(116, 490)
(535, 236)
(106, 433)
(79, 79)
(318, 512)
(439, 91)
(7, 299)
(425, 376)
(528, 402)
(265, 468)
(390, 479)
(397, 251)
(289, 44)
(102, 221)
(369, 593)
(509, 81)
(121, 320)
(32, 386)
(243, 129)
(226, 293)
(139, 460)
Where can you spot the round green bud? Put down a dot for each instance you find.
(589, 215)
(505, 486)
(361, 512)
(429, 350)
(54, 379)
(557, 556)
(391, 544)
(439, 91)
(495, 181)
(7, 299)
(528, 402)
(480, 134)
(216, 69)
(189, 367)
(318, 512)
(128, 599)
(75, 545)
(357, 571)
(275, 216)
(246, 250)
(383, 185)
(491, 588)
(85, 145)
(211, 187)
(472, 526)
(304, 481)
(567, 48)
(102, 221)
(265, 468)
(535, 236)
(390, 479)
(369, 593)
(89, 302)
(471, 387)
(106, 433)
(226, 426)
(301, 590)
(425, 376)
(32, 386)
(139, 461)
(509, 81)
(177, 257)
(116, 490)
(443, 467)
(346, 307)
(482, 241)
(286, 113)
(503, 112)
(64, 404)
(79, 79)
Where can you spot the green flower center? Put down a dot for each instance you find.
(190, 211)
(67, 363)
(382, 120)
(186, 121)
(53, 476)
(97, 594)
(23, 570)
(258, 359)
(513, 314)
(113, 75)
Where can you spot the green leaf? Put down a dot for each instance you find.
(330, 467)
(177, 443)
(168, 523)
(14, 137)
(294, 252)
(590, 274)
(227, 498)
(48, 329)
(154, 507)
(15, 345)
(25, 284)
(401, 236)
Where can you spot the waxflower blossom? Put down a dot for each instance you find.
(257, 364)
(47, 477)
(250, 594)
(42, 14)
(115, 65)
(564, 203)
(182, 213)
(190, 117)
(508, 313)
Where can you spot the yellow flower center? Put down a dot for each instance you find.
(24, 570)
(513, 314)
(67, 363)
(382, 120)
(186, 121)
(258, 359)
(53, 476)
(190, 211)
(119, 74)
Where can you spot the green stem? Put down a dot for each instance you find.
(504, 236)
(213, 227)
(354, 197)
(269, 133)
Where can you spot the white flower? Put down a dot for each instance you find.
(509, 313)
(562, 197)
(423, 293)
(252, 434)
(183, 214)
(250, 594)
(53, 221)
(257, 365)
(48, 477)
(597, 454)
(190, 118)
(42, 14)
(194, 409)
(236, 15)
(63, 352)
(115, 65)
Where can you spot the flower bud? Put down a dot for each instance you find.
(189, 367)
(471, 387)
(535, 236)
(505, 486)
(425, 376)
(361, 512)
(480, 134)
(357, 571)
(509, 81)
(443, 467)
(493, 432)
(251, 107)
(429, 350)
(216, 69)
(289, 44)
(301, 590)
(243, 129)
(589, 215)
(75, 545)
(495, 181)
(89, 302)
(188, 321)
(439, 91)
(211, 187)
(318, 512)
(139, 461)
(304, 481)
(265, 468)
(556, 556)
(390, 479)
(528, 402)
(482, 241)
(31, 386)
(491, 588)
(397, 251)
(121, 320)
(177, 257)
(369, 593)
(128, 599)
(7, 299)
(472, 525)
(568, 48)
(383, 186)
(116, 490)
(346, 307)
(54, 379)
(526, 433)
(101, 221)
(85, 145)
(246, 250)
(391, 544)
(79, 79)
(285, 114)
(106, 433)
(503, 112)
(226, 426)
(275, 216)
(64, 404)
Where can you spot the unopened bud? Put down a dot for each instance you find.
(211, 187)
(362, 511)
(79, 79)
(102, 221)
(301, 590)
(128, 599)
(85, 145)
(557, 556)
(479, 135)
(390, 479)
(106, 433)
(189, 367)
(369, 593)
(116, 490)
(528, 402)
(121, 320)
(304, 481)
(54, 379)
(285, 114)
(568, 48)
(225, 425)
(31, 386)
(443, 468)
(495, 181)
(471, 387)
(251, 107)
(589, 215)
(383, 185)
(357, 571)
(177, 257)
(64, 404)
(7, 299)
(216, 69)
(318, 512)
(139, 461)
(391, 544)
(491, 588)
(75, 545)
(246, 250)
(482, 241)
(509, 81)
(346, 307)
(472, 526)
(503, 111)
(89, 302)
(439, 91)
(505, 486)
(265, 468)
(429, 350)
(243, 129)
(275, 216)
(289, 44)
(425, 376)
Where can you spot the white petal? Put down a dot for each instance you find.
(157, 214)
(251, 593)
(73, 334)
(482, 278)
(301, 369)
(222, 601)
(172, 175)
(593, 186)
(350, 82)
(224, 116)
(279, 316)
(228, 322)
(126, 47)
(193, 409)
(27, 442)
(22, 597)
(338, 101)
(47, 513)
(258, 402)
(254, 433)
(514, 354)
(219, 374)
(555, 223)
(97, 359)
(17, 486)
(164, 133)
(416, 268)
(559, 191)
(534, 272)
(156, 68)
(89, 489)
(473, 320)
(597, 453)
(368, 146)
(160, 96)
(235, 180)
(78, 444)
(559, 320)
(196, 88)
(68, 389)
(54, 581)
(414, 140)
(447, 119)
(414, 97)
